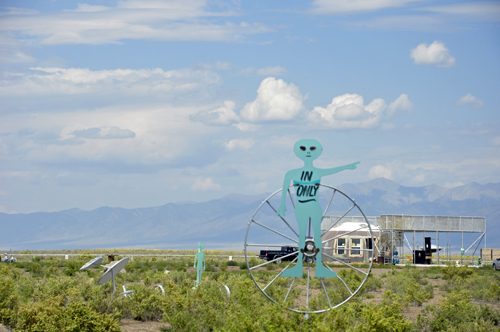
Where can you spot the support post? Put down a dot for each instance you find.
(413, 253)
(437, 249)
(461, 247)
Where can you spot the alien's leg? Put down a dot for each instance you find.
(321, 271)
(200, 272)
(297, 270)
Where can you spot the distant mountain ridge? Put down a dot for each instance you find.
(221, 223)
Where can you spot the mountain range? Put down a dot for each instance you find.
(221, 223)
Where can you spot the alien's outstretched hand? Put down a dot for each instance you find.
(352, 166)
(281, 210)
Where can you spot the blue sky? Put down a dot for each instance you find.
(140, 103)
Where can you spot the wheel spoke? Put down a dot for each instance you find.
(347, 264)
(335, 223)
(337, 236)
(275, 231)
(339, 279)
(291, 199)
(330, 202)
(326, 294)
(279, 274)
(274, 260)
(293, 230)
(289, 289)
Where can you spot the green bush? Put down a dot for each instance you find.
(456, 313)
(232, 263)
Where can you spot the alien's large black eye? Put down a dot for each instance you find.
(313, 148)
(303, 148)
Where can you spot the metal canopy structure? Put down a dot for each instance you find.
(394, 226)
(432, 223)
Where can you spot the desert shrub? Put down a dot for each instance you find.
(452, 271)
(480, 287)
(456, 313)
(52, 316)
(72, 267)
(406, 285)
(232, 263)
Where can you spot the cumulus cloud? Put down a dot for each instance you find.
(206, 184)
(324, 7)
(221, 116)
(379, 171)
(244, 144)
(348, 111)
(434, 54)
(401, 104)
(104, 133)
(152, 20)
(470, 99)
(276, 101)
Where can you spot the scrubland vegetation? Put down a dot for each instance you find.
(52, 295)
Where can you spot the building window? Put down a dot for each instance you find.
(340, 246)
(355, 247)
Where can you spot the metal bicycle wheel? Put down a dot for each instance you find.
(268, 231)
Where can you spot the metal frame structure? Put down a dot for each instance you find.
(401, 224)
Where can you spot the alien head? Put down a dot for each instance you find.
(308, 149)
(200, 245)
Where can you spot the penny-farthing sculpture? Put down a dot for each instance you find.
(315, 276)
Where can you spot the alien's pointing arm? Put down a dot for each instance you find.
(329, 171)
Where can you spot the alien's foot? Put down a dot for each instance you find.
(295, 272)
(323, 272)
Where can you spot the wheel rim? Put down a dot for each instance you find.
(307, 294)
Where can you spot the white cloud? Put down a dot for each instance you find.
(219, 65)
(221, 116)
(244, 144)
(348, 112)
(267, 71)
(379, 171)
(406, 22)
(276, 101)
(206, 184)
(271, 71)
(401, 104)
(127, 82)
(324, 7)
(480, 10)
(12, 51)
(433, 54)
(243, 126)
(152, 137)
(153, 20)
(470, 99)
(104, 133)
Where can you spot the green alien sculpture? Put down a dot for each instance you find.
(306, 181)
